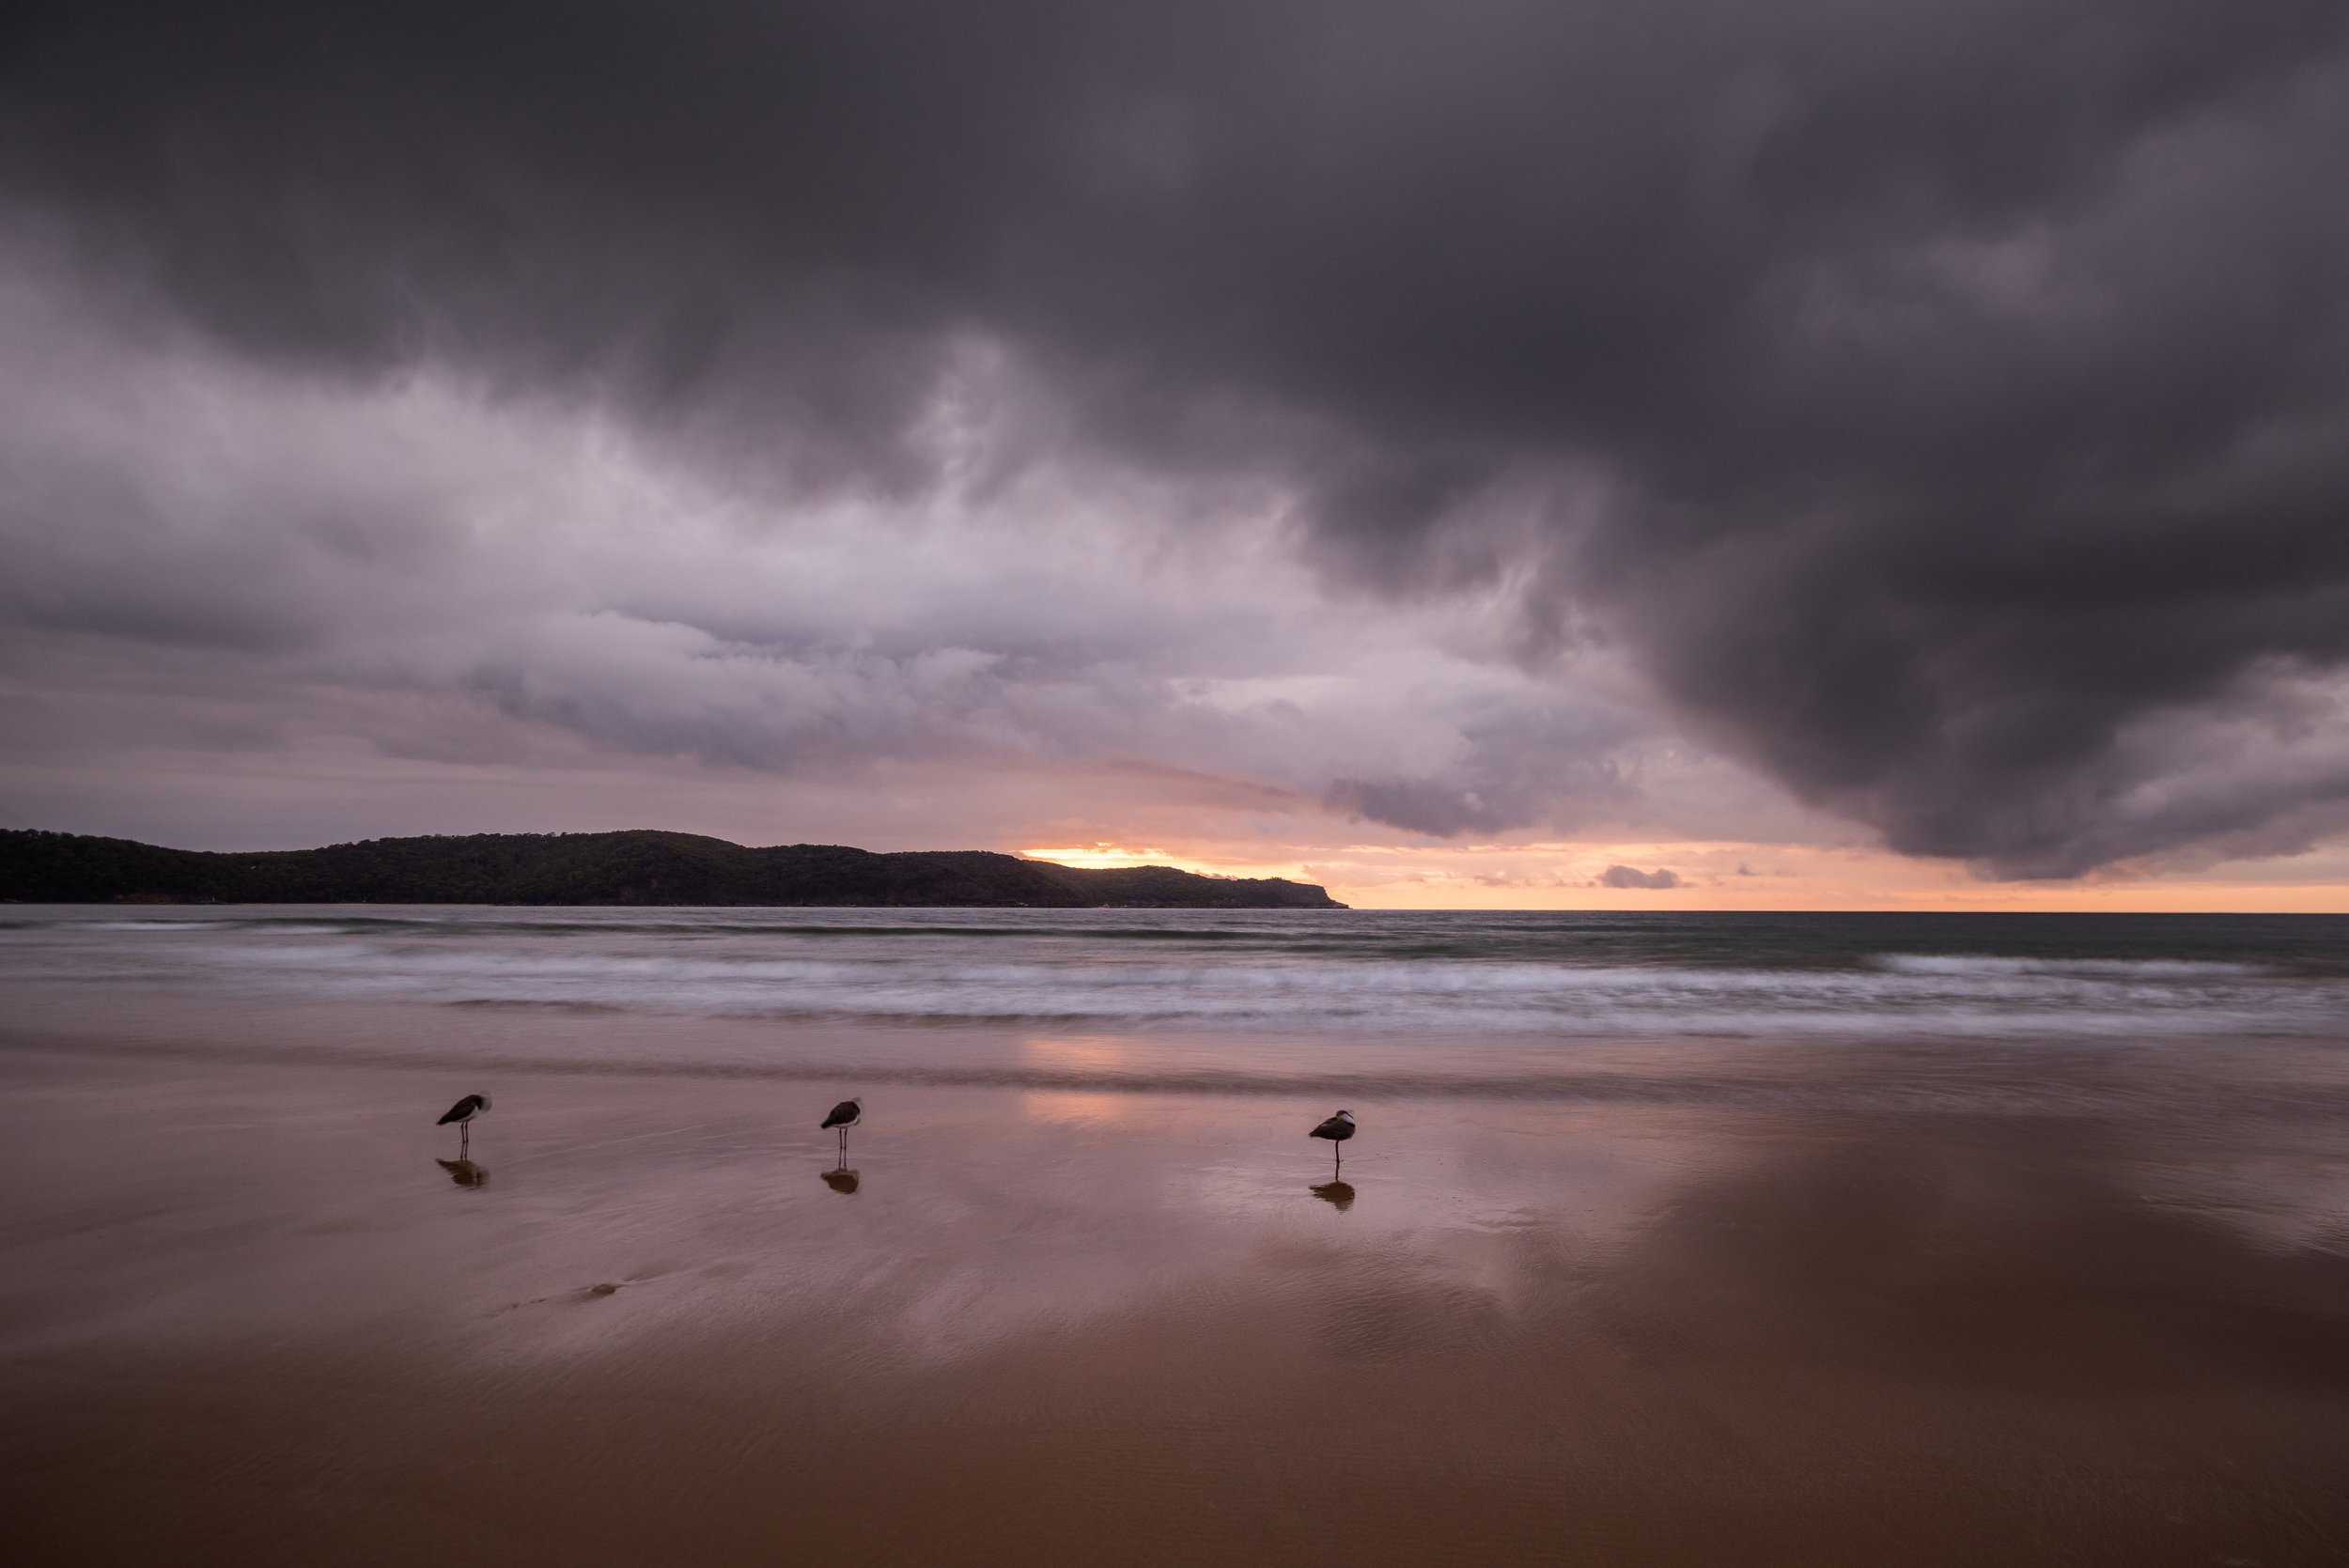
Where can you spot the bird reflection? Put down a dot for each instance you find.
(464, 1172)
(840, 1178)
(1338, 1195)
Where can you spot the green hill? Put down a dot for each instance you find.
(638, 867)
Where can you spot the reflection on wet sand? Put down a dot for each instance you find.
(464, 1172)
(2006, 1259)
(1616, 1333)
(1338, 1195)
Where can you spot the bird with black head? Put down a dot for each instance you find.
(1337, 1129)
(463, 1113)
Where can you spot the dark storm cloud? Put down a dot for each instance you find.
(1944, 400)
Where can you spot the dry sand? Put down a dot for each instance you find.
(251, 1314)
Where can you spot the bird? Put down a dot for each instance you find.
(463, 1113)
(1337, 1129)
(844, 1116)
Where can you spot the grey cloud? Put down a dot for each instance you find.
(1423, 807)
(1563, 765)
(1965, 383)
(1627, 877)
(292, 536)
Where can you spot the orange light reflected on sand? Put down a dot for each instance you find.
(1082, 1108)
(1085, 1108)
(1088, 1052)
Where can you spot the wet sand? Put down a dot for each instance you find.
(251, 1312)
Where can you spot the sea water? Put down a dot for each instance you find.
(1498, 1002)
(1595, 974)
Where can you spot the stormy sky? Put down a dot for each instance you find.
(1917, 427)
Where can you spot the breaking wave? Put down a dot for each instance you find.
(1293, 973)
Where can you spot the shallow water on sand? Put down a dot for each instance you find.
(1081, 1290)
(1377, 982)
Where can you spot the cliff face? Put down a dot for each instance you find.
(639, 867)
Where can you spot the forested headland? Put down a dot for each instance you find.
(634, 867)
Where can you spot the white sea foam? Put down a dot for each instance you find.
(1299, 973)
(2120, 968)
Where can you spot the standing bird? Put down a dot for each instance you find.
(463, 1113)
(1337, 1129)
(844, 1116)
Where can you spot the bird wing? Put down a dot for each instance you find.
(462, 1109)
(842, 1114)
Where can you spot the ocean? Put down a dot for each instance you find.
(1400, 1001)
(1582, 975)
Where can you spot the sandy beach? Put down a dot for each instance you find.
(254, 1312)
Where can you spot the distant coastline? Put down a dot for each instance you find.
(637, 867)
